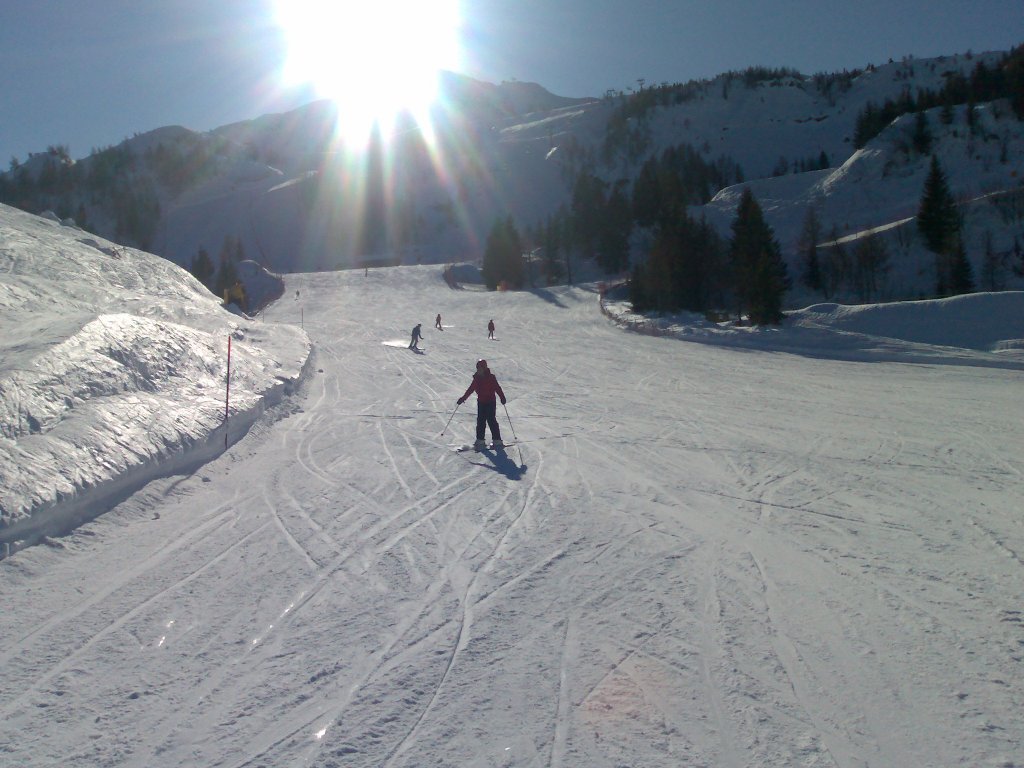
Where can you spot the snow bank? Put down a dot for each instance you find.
(114, 370)
(980, 328)
(989, 322)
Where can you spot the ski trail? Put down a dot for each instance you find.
(288, 537)
(397, 473)
(218, 518)
(465, 623)
(66, 662)
(327, 714)
(563, 710)
(797, 674)
(710, 628)
(416, 457)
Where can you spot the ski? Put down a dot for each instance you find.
(488, 447)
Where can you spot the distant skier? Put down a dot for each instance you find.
(486, 386)
(416, 336)
(437, 323)
(490, 329)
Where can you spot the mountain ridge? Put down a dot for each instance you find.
(282, 187)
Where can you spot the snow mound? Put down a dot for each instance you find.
(984, 329)
(987, 322)
(114, 369)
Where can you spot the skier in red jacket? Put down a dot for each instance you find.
(486, 386)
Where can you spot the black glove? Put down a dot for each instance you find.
(462, 400)
(503, 401)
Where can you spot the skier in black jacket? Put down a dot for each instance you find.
(416, 336)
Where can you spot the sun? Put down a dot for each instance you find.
(375, 58)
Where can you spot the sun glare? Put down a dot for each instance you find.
(375, 58)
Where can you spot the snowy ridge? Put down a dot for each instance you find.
(883, 181)
(259, 178)
(114, 371)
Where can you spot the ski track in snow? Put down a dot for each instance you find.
(704, 557)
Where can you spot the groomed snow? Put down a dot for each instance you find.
(805, 549)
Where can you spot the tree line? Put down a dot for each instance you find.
(113, 186)
(223, 275)
(1004, 80)
(689, 265)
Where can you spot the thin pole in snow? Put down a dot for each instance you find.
(514, 435)
(227, 394)
(449, 420)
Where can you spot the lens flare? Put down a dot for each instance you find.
(376, 60)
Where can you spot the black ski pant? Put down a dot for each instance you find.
(485, 416)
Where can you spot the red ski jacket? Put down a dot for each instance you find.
(486, 386)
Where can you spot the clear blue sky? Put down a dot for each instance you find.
(89, 74)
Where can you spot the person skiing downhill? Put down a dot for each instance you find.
(416, 336)
(486, 386)
(490, 329)
(437, 323)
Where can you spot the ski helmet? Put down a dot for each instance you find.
(481, 364)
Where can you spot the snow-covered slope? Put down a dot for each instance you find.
(298, 201)
(114, 369)
(882, 183)
(800, 551)
(792, 118)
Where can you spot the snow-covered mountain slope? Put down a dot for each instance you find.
(299, 201)
(114, 369)
(879, 188)
(792, 118)
(806, 551)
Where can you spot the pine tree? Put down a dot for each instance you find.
(993, 266)
(615, 228)
(835, 266)
(961, 278)
(922, 136)
(871, 265)
(588, 207)
(759, 273)
(809, 238)
(202, 267)
(503, 256)
(938, 223)
(552, 245)
(638, 290)
(971, 115)
(946, 114)
(227, 274)
(704, 266)
(1014, 74)
(647, 195)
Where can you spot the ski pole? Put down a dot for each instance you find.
(450, 420)
(514, 435)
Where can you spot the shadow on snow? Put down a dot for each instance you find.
(500, 462)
